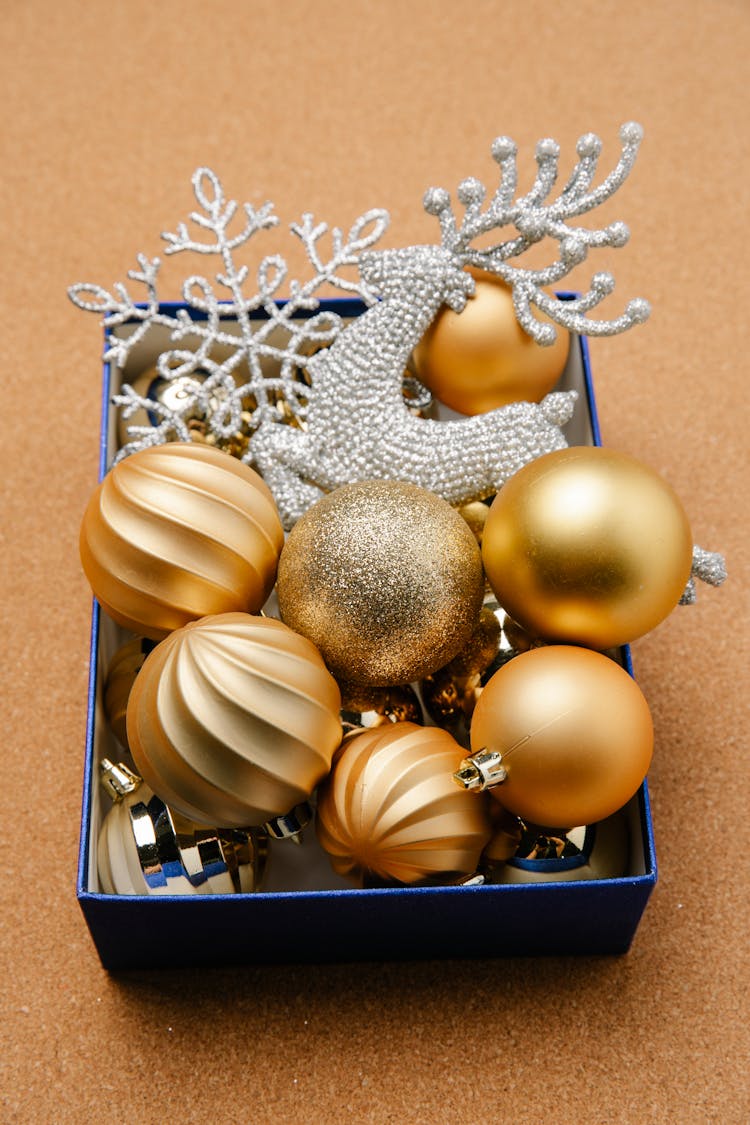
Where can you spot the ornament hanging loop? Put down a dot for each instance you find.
(481, 770)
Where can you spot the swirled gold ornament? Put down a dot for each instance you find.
(587, 546)
(562, 735)
(385, 578)
(233, 720)
(481, 358)
(176, 532)
(388, 809)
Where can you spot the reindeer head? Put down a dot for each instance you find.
(389, 273)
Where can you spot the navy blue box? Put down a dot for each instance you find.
(306, 913)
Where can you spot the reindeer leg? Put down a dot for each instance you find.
(280, 454)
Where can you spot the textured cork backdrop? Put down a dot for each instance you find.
(337, 107)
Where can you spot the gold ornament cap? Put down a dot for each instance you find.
(176, 532)
(234, 719)
(385, 578)
(587, 546)
(389, 810)
(561, 735)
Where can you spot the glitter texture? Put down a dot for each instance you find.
(385, 579)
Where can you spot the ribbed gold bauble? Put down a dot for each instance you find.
(176, 532)
(574, 732)
(588, 546)
(385, 578)
(390, 809)
(234, 719)
(481, 358)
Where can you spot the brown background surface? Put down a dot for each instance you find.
(336, 107)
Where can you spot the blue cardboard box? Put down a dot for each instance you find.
(307, 913)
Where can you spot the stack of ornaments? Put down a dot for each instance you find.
(437, 683)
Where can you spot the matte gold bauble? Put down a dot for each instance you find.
(389, 808)
(176, 532)
(587, 546)
(233, 720)
(481, 358)
(123, 669)
(572, 731)
(385, 578)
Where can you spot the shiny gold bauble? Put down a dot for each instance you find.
(587, 546)
(450, 694)
(596, 851)
(390, 809)
(574, 734)
(481, 358)
(234, 719)
(123, 669)
(364, 706)
(176, 532)
(385, 578)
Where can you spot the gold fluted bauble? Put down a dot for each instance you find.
(385, 578)
(388, 808)
(121, 673)
(574, 733)
(587, 546)
(233, 720)
(481, 358)
(180, 531)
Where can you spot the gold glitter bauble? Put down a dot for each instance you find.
(385, 578)
(390, 809)
(176, 532)
(234, 719)
(587, 546)
(574, 733)
(123, 669)
(481, 358)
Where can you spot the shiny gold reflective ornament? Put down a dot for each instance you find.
(363, 706)
(385, 578)
(595, 851)
(389, 808)
(481, 358)
(176, 532)
(234, 719)
(451, 693)
(146, 848)
(563, 736)
(123, 669)
(587, 546)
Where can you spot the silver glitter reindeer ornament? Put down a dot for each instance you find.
(353, 422)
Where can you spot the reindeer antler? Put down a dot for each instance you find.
(534, 220)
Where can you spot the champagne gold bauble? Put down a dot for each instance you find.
(123, 669)
(587, 546)
(481, 358)
(176, 532)
(385, 578)
(572, 731)
(146, 848)
(234, 719)
(389, 808)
